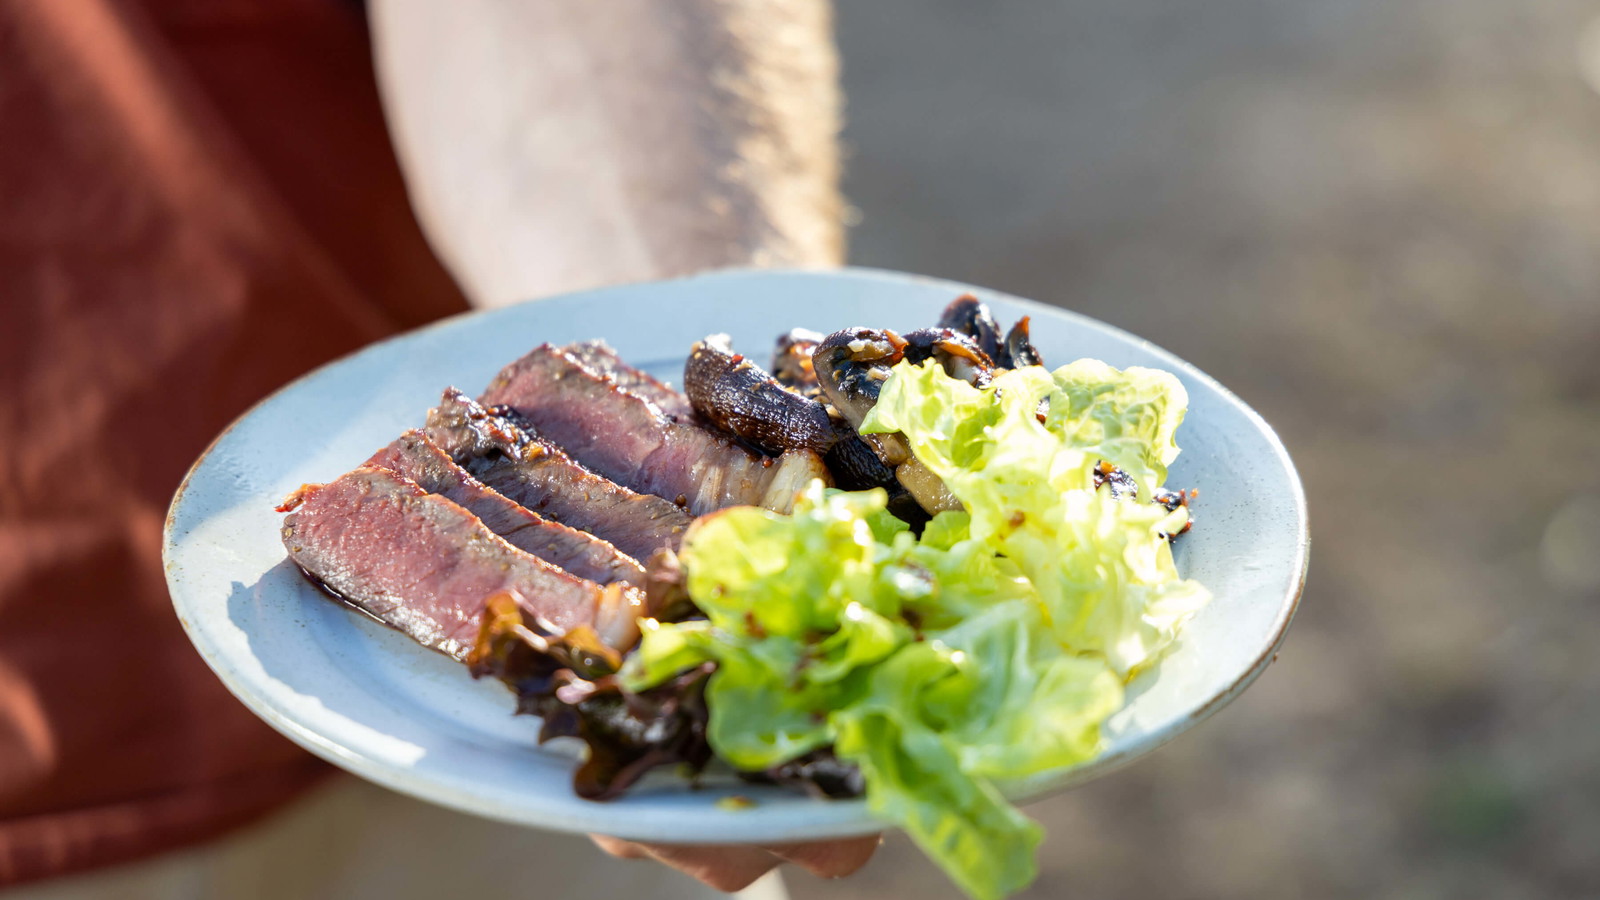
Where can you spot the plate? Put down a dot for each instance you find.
(371, 701)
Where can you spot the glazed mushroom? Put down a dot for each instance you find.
(734, 393)
(969, 316)
(852, 366)
(956, 353)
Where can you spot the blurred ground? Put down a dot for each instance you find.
(1377, 221)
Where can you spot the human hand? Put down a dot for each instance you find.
(734, 867)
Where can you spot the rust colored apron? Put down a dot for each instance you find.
(198, 202)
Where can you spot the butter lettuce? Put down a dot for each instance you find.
(1107, 580)
(796, 607)
(992, 648)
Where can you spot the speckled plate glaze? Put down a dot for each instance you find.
(371, 701)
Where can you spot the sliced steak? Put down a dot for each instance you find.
(626, 438)
(420, 563)
(540, 477)
(415, 457)
(464, 429)
(598, 357)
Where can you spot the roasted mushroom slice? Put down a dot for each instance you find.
(928, 489)
(1020, 348)
(1171, 500)
(738, 396)
(969, 316)
(791, 362)
(852, 365)
(796, 469)
(856, 467)
(1122, 486)
(1115, 480)
(956, 353)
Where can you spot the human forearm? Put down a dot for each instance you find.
(560, 145)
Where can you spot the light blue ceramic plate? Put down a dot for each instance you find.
(371, 701)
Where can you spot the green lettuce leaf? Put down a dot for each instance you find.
(991, 649)
(795, 605)
(1106, 578)
(915, 777)
(1127, 417)
(993, 697)
(1019, 704)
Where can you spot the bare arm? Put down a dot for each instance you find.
(558, 145)
(555, 145)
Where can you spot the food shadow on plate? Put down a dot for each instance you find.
(358, 669)
(340, 662)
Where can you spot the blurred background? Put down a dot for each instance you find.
(1379, 223)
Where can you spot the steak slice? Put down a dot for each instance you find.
(413, 456)
(627, 439)
(542, 478)
(598, 357)
(422, 564)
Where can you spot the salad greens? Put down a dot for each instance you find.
(990, 649)
(1104, 576)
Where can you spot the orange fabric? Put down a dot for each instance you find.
(198, 202)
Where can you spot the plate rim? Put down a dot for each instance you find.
(851, 817)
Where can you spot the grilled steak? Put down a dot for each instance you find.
(420, 563)
(598, 357)
(540, 477)
(626, 438)
(464, 429)
(413, 456)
